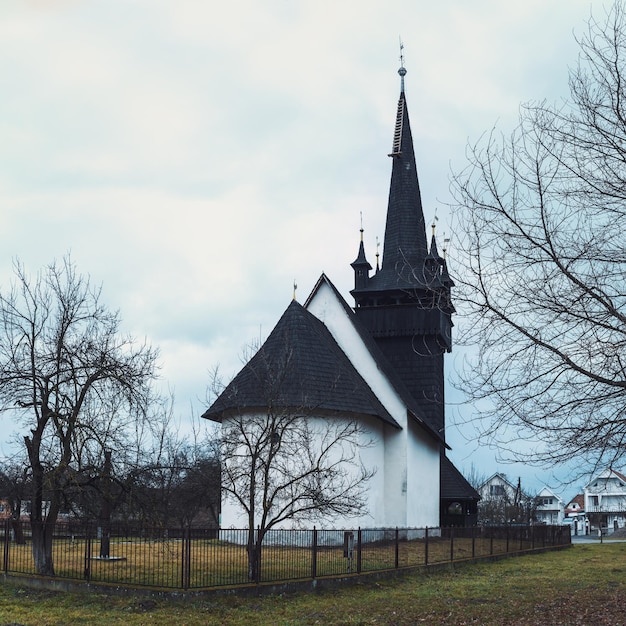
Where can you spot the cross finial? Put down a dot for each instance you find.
(402, 70)
(446, 242)
(377, 252)
(295, 287)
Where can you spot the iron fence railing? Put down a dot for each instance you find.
(175, 558)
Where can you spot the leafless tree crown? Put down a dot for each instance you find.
(543, 280)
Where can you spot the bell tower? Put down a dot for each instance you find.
(406, 305)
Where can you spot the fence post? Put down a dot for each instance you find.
(473, 542)
(358, 550)
(7, 527)
(507, 539)
(257, 555)
(314, 554)
(88, 554)
(397, 555)
(426, 546)
(186, 559)
(451, 543)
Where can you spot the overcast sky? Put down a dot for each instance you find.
(196, 156)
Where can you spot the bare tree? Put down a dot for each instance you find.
(280, 466)
(543, 252)
(505, 505)
(177, 475)
(283, 456)
(62, 359)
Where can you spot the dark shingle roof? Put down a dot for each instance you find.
(405, 245)
(453, 484)
(381, 360)
(299, 366)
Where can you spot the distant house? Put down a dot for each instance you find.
(497, 487)
(501, 502)
(575, 506)
(605, 500)
(575, 514)
(549, 508)
(5, 509)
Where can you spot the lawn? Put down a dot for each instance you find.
(210, 563)
(585, 584)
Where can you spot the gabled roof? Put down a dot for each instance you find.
(300, 366)
(383, 364)
(454, 485)
(621, 476)
(546, 491)
(501, 478)
(607, 475)
(579, 499)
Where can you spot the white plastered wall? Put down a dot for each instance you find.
(370, 453)
(423, 486)
(411, 468)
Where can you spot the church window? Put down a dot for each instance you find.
(455, 508)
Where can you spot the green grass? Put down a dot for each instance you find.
(585, 584)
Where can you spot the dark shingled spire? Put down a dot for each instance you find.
(361, 267)
(405, 232)
(405, 246)
(406, 306)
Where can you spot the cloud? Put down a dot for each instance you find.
(197, 157)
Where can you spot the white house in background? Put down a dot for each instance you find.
(549, 508)
(605, 500)
(497, 487)
(501, 502)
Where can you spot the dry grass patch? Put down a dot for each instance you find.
(212, 563)
(582, 585)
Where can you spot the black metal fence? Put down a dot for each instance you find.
(176, 558)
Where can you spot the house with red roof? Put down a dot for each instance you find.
(575, 514)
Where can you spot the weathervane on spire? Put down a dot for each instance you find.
(377, 253)
(402, 70)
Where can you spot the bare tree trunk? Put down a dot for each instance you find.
(42, 547)
(255, 540)
(18, 531)
(42, 526)
(105, 510)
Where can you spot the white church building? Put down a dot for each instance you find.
(378, 363)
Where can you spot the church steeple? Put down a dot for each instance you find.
(406, 306)
(404, 246)
(361, 267)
